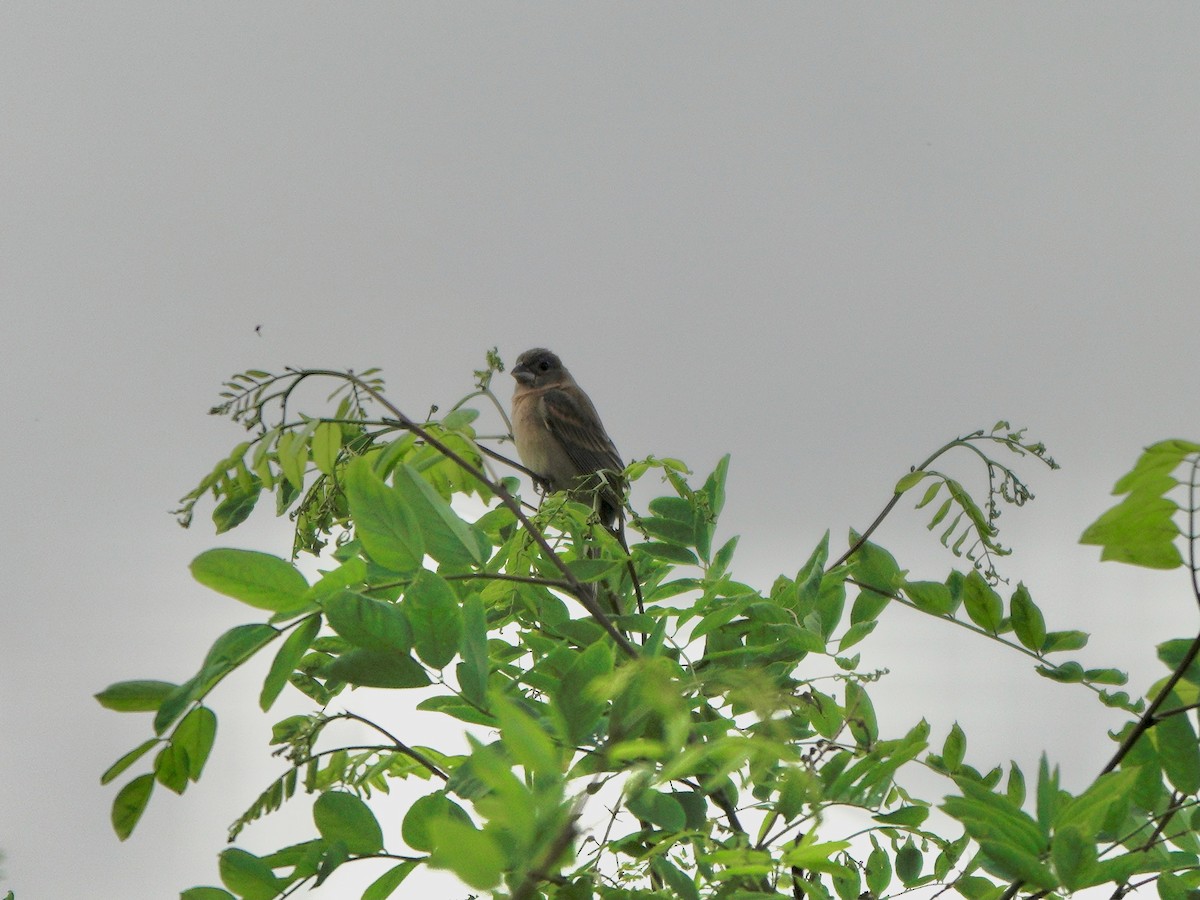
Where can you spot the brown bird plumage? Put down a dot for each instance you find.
(560, 436)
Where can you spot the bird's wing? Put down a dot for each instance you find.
(572, 419)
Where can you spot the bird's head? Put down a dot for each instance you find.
(538, 368)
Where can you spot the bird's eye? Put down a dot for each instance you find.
(543, 366)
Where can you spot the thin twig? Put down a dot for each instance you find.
(400, 746)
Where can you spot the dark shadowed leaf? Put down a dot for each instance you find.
(377, 668)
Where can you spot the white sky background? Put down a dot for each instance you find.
(825, 238)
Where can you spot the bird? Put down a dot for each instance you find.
(560, 437)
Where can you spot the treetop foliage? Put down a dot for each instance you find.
(640, 723)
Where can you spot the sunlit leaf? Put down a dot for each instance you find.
(257, 579)
(382, 520)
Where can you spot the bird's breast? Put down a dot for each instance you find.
(534, 442)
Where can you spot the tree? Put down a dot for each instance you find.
(716, 721)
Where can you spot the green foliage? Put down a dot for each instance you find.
(716, 722)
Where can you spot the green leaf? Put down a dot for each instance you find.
(135, 696)
(524, 739)
(812, 856)
(475, 667)
(293, 456)
(586, 570)
(1069, 672)
(930, 493)
(435, 616)
(1105, 676)
(975, 887)
(930, 596)
(667, 552)
(228, 651)
(341, 816)
(128, 760)
(1088, 812)
(826, 716)
(677, 509)
(724, 556)
(1074, 856)
(879, 869)
(236, 507)
(855, 634)
(908, 816)
(415, 827)
(326, 442)
(867, 606)
(874, 566)
(257, 579)
(1048, 794)
(248, 876)
(1172, 887)
(383, 886)
(1018, 864)
(1015, 790)
(668, 531)
(170, 768)
(286, 660)
(993, 818)
(130, 803)
(194, 736)
(714, 486)
(448, 539)
(1178, 753)
(908, 863)
(983, 604)
(1064, 640)
(1140, 530)
(1172, 654)
(576, 701)
(860, 715)
(469, 853)
(682, 885)
(203, 893)
(911, 480)
(848, 882)
(377, 668)
(658, 809)
(382, 520)
(1027, 620)
(367, 623)
(954, 749)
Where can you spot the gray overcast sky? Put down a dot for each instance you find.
(824, 238)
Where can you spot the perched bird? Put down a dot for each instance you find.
(560, 437)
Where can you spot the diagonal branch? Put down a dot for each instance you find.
(577, 588)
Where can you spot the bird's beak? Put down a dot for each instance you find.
(523, 374)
